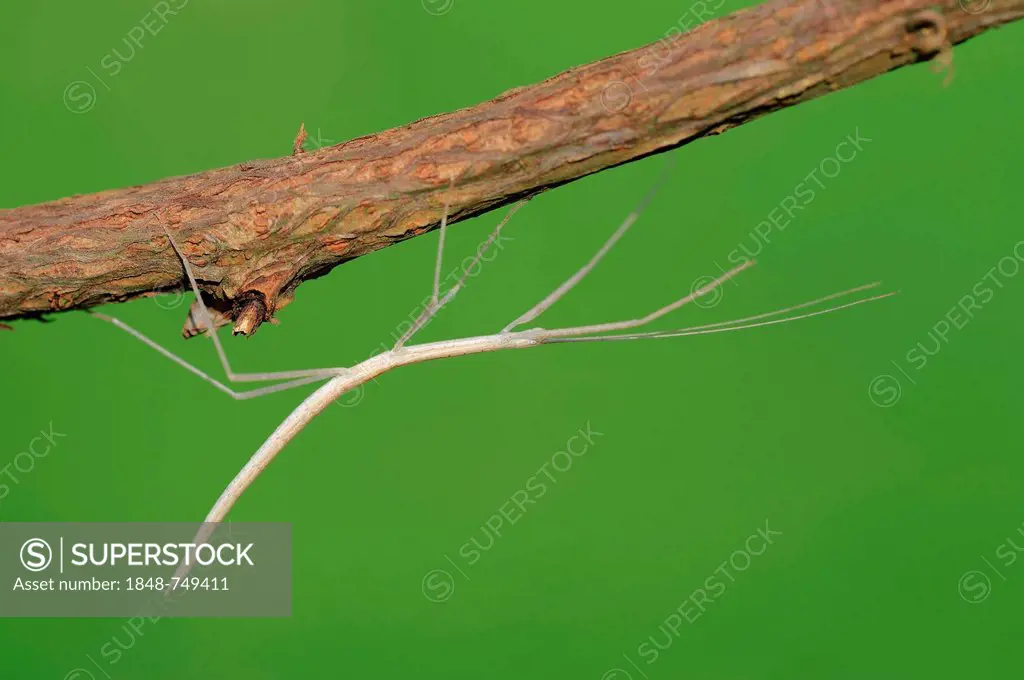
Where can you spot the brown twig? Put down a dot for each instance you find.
(255, 231)
(300, 140)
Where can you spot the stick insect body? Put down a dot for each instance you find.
(344, 379)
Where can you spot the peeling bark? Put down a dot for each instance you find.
(256, 230)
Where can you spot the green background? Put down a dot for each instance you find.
(882, 510)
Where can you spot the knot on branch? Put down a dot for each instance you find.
(245, 314)
(928, 32)
(929, 37)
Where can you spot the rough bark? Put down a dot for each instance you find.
(256, 230)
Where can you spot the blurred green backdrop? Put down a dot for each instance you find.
(895, 485)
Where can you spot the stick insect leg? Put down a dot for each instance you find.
(570, 283)
(734, 324)
(206, 319)
(653, 316)
(246, 394)
(437, 303)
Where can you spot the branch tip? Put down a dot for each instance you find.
(251, 314)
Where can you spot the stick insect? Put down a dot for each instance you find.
(340, 380)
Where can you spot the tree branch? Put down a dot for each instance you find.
(256, 230)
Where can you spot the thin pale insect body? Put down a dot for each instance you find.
(343, 379)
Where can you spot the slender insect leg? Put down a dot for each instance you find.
(246, 394)
(570, 283)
